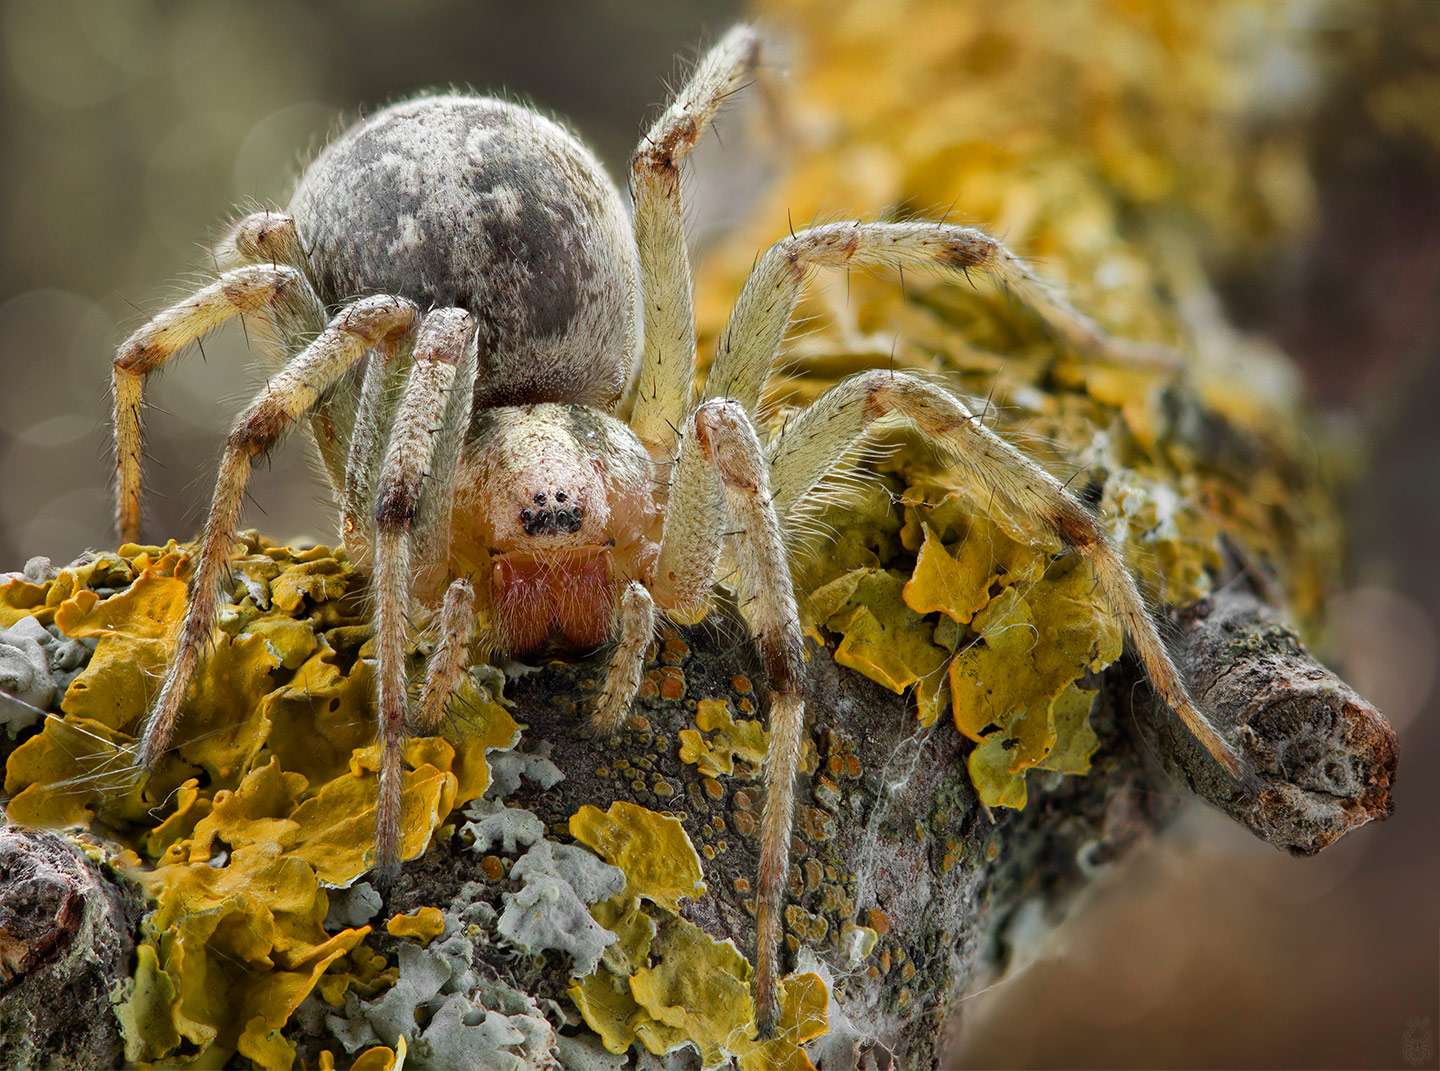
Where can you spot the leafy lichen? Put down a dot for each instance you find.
(268, 797)
(665, 982)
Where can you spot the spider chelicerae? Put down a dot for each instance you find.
(457, 300)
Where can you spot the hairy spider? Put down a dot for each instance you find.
(456, 295)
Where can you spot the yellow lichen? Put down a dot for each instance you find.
(362, 970)
(605, 1002)
(713, 756)
(883, 638)
(665, 982)
(804, 1004)
(19, 599)
(948, 581)
(424, 924)
(268, 793)
(1032, 645)
(698, 991)
(381, 1058)
(654, 851)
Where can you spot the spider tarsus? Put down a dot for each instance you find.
(384, 879)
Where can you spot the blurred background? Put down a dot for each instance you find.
(134, 128)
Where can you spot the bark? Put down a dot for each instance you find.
(68, 926)
(1324, 757)
(889, 835)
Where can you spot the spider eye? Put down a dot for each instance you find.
(540, 500)
(526, 515)
(559, 496)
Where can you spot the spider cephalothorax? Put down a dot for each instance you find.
(560, 499)
(458, 300)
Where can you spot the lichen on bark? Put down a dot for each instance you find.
(925, 826)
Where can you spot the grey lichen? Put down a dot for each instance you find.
(493, 824)
(37, 664)
(549, 911)
(454, 1015)
(507, 768)
(354, 906)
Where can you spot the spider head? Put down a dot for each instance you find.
(550, 565)
(538, 502)
(555, 505)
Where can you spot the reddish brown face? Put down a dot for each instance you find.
(564, 595)
(555, 504)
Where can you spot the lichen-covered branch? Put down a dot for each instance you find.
(1324, 755)
(974, 749)
(509, 937)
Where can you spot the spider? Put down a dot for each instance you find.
(457, 300)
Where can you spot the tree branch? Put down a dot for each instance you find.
(905, 889)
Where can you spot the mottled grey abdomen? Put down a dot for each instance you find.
(482, 204)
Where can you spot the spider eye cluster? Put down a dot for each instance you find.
(552, 521)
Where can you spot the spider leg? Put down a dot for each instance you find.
(725, 440)
(430, 541)
(263, 237)
(380, 390)
(291, 392)
(380, 394)
(431, 534)
(635, 615)
(684, 578)
(814, 442)
(762, 314)
(278, 290)
(450, 657)
(441, 356)
(665, 387)
(270, 237)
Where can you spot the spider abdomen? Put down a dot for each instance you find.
(487, 206)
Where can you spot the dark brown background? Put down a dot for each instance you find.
(132, 128)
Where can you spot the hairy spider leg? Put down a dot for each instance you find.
(279, 290)
(751, 339)
(767, 600)
(270, 237)
(720, 447)
(635, 626)
(443, 368)
(665, 388)
(451, 656)
(684, 575)
(291, 393)
(384, 382)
